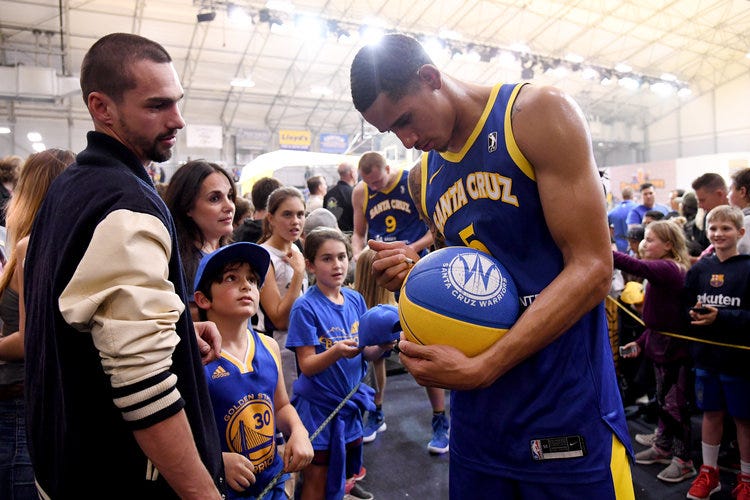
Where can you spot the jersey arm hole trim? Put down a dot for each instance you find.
(457, 157)
(510, 141)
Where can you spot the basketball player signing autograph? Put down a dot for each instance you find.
(509, 170)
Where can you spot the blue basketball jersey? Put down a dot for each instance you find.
(242, 392)
(391, 214)
(555, 412)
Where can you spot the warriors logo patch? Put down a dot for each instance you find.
(475, 277)
(250, 431)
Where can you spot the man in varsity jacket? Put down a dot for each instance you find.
(118, 405)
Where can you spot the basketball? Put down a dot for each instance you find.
(460, 297)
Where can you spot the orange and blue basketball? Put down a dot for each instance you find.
(458, 296)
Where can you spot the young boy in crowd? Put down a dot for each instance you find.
(246, 382)
(718, 289)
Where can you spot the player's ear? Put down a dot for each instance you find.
(430, 75)
(201, 300)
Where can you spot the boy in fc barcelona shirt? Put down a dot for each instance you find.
(718, 294)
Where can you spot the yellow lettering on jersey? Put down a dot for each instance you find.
(479, 185)
(490, 185)
(401, 205)
(380, 208)
(450, 201)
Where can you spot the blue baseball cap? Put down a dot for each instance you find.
(379, 325)
(243, 251)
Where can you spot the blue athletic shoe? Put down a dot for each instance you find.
(440, 428)
(375, 423)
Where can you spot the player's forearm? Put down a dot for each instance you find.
(170, 446)
(575, 291)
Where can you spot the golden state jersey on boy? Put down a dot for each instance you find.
(557, 411)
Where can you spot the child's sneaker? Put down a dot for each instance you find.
(742, 490)
(440, 428)
(646, 439)
(653, 455)
(355, 492)
(677, 471)
(375, 423)
(706, 484)
(359, 476)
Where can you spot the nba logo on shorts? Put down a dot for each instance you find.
(476, 277)
(492, 142)
(536, 450)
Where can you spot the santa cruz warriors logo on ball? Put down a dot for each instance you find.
(458, 296)
(477, 280)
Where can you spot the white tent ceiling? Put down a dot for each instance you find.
(703, 43)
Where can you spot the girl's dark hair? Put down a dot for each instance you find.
(182, 192)
(275, 199)
(315, 239)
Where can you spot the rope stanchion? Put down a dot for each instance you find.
(678, 335)
(320, 428)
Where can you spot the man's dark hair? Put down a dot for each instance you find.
(107, 66)
(261, 190)
(646, 185)
(389, 66)
(709, 181)
(654, 214)
(314, 183)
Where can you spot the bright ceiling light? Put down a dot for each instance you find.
(663, 89)
(371, 35)
(668, 77)
(38, 147)
(238, 16)
(34, 137)
(623, 68)
(447, 34)
(311, 28)
(574, 58)
(434, 48)
(246, 82)
(606, 81)
(629, 83)
(684, 92)
(4, 130)
(506, 58)
(589, 74)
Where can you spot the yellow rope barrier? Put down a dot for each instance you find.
(677, 335)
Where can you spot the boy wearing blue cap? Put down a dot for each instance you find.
(246, 382)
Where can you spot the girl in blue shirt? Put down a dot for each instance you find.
(323, 332)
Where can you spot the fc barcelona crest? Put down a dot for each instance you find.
(717, 280)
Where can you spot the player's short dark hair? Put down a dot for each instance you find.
(389, 66)
(107, 66)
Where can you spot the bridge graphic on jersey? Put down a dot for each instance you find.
(248, 441)
(475, 273)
